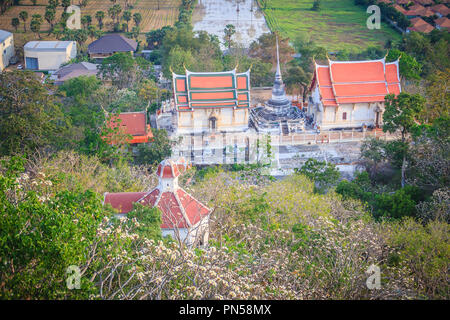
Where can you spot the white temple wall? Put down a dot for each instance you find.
(199, 120)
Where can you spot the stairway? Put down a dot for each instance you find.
(285, 128)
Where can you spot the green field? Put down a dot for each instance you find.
(339, 24)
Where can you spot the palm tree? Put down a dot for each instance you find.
(229, 31)
(114, 13)
(127, 17)
(36, 23)
(99, 15)
(24, 16)
(15, 23)
(50, 14)
(137, 17)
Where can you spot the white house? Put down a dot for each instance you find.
(350, 94)
(6, 48)
(48, 55)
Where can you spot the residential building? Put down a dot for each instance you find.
(74, 70)
(418, 10)
(109, 44)
(184, 218)
(211, 101)
(420, 25)
(133, 124)
(350, 94)
(6, 48)
(442, 23)
(441, 10)
(48, 55)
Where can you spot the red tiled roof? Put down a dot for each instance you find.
(134, 124)
(399, 8)
(443, 23)
(420, 25)
(179, 209)
(123, 201)
(418, 10)
(354, 82)
(441, 8)
(424, 2)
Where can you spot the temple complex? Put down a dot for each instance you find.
(277, 115)
(211, 101)
(350, 94)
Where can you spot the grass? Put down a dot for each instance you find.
(340, 24)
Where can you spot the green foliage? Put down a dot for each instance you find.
(324, 174)
(148, 221)
(123, 70)
(29, 117)
(159, 149)
(425, 250)
(409, 67)
(41, 236)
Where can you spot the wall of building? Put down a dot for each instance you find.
(51, 60)
(228, 119)
(6, 52)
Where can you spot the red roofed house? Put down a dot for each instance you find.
(131, 123)
(419, 11)
(441, 10)
(420, 25)
(212, 101)
(350, 94)
(443, 23)
(183, 217)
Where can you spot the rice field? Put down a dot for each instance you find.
(340, 24)
(152, 18)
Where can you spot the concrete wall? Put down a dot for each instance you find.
(6, 52)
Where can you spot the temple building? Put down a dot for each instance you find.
(277, 115)
(211, 101)
(183, 217)
(350, 94)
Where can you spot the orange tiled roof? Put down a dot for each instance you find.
(134, 124)
(227, 89)
(441, 8)
(420, 25)
(356, 81)
(424, 2)
(443, 23)
(419, 10)
(399, 8)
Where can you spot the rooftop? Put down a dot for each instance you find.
(357, 81)
(4, 35)
(48, 45)
(112, 43)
